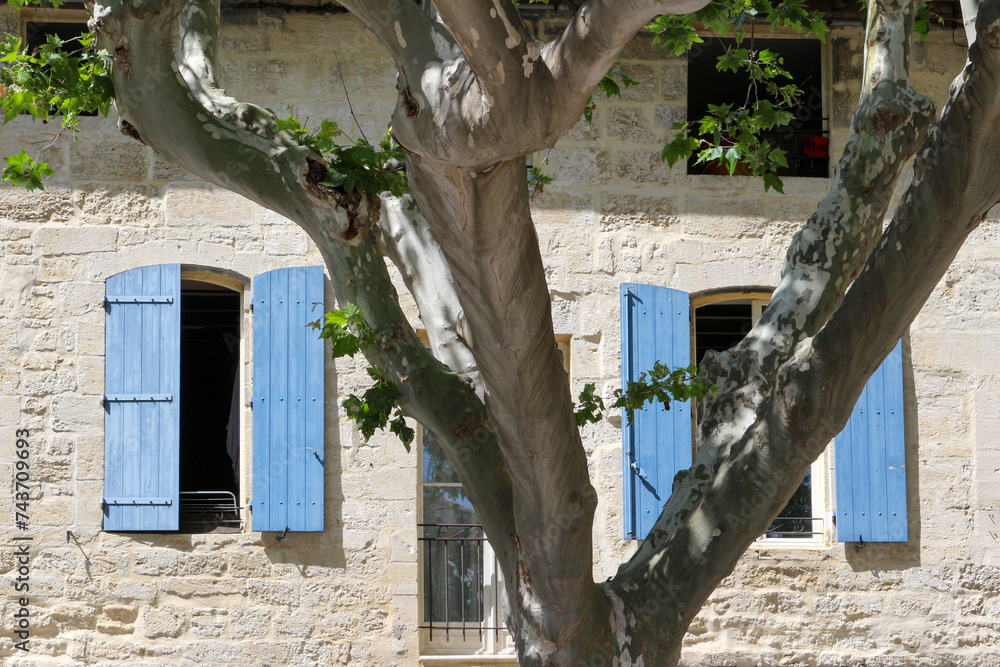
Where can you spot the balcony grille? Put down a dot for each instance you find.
(455, 598)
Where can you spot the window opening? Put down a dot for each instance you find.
(209, 408)
(806, 140)
(66, 24)
(455, 601)
(719, 326)
(461, 610)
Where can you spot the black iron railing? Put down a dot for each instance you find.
(209, 511)
(457, 604)
(795, 527)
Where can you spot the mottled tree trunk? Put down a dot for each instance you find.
(477, 93)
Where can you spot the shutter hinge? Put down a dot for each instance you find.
(135, 502)
(108, 300)
(137, 398)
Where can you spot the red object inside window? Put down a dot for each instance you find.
(814, 145)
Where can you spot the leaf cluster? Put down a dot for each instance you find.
(611, 85)
(378, 406)
(661, 384)
(356, 167)
(734, 134)
(537, 180)
(59, 78)
(22, 170)
(679, 33)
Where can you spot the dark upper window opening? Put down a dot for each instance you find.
(805, 140)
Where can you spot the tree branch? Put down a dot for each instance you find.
(828, 252)
(565, 71)
(758, 437)
(482, 223)
(955, 182)
(183, 115)
(403, 28)
(492, 37)
(407, 240)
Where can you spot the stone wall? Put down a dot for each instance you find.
(614, 213)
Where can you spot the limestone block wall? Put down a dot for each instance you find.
(349, 595)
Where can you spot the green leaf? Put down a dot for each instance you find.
(404, 432)
(772, 181)
(589, 406)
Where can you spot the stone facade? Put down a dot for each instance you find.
(349, 595)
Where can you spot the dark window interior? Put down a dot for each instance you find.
(37, 32)
(718, 327)
(806, 139)
(210, 437)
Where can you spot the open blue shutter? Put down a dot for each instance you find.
(656, 326)
(871, 460)
(288, 433)
(141, 402)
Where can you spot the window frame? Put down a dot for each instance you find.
(759, 297)
(826, 89)
(235, 282)
(49, 15)
(494, 643)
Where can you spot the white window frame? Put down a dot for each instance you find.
(490, 643)
(758, 300)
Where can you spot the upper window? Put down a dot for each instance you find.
(657, 443)
(174, 401)
(805, 140)
(38, 24)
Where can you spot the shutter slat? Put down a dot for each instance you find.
(142, 445)
(895, 459)
(114, 419)
(296, 387)
(261, 406)
(870, 460)
(315, 407)
(169, 422)
(133, 419)
(288, 400)
(149, 380)
(655, 327)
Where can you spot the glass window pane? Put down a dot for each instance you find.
(795, 519)
(437, 467)
(448, 505)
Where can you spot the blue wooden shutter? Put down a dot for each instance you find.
(871, 460)
(656, 326)
(141, 402)
(288, 432)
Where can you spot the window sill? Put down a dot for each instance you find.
(471, 660)
(779, 544)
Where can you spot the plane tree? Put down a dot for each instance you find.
(477, 92)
